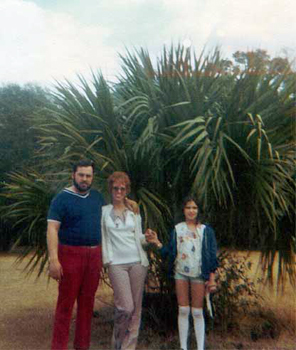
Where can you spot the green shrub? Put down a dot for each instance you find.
(236, 292)
(235, 296)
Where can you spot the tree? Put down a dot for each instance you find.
(18, 138)
(192, 123)
(17, 106)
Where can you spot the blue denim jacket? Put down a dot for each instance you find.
(209, 262)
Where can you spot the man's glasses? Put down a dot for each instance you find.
(117, 189)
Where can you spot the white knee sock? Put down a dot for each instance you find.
(199, 327)
(183, 325)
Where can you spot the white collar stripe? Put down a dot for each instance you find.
(76, 194)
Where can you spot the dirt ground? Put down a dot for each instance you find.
(27, 306)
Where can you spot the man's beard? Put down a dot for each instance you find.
(81, 189)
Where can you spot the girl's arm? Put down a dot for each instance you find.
(151, 237)
(211, 285)
(213, 251)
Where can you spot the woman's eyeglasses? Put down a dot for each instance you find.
(117, 189)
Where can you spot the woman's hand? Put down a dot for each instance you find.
(151, 237)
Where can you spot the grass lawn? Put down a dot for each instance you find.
(27, 308)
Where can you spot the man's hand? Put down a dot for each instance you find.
(55, 270)
(132, 205)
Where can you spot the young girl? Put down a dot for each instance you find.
(192, 262)
(127, 262)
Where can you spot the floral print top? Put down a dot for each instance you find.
(189, 244)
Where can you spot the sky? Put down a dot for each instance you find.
(44, 41)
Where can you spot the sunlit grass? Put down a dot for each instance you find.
(28, 296)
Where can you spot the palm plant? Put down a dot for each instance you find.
(27, 199)
(231, 135)
(191, 123)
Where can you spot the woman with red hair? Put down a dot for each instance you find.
(123, 254)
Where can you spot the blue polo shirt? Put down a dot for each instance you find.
(79, 215)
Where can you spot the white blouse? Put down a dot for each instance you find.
(122, 236)
(189, 246)
(117, 244)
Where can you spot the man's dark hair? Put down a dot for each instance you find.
(83, 163)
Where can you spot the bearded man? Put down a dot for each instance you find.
(75, 257)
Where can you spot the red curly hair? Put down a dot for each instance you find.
(121, 176)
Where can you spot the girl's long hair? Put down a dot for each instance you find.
(192, 198)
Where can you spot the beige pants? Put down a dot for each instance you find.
(128, 284)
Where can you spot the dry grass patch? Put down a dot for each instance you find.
(27, 308)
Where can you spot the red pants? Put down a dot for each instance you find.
(81, 275)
